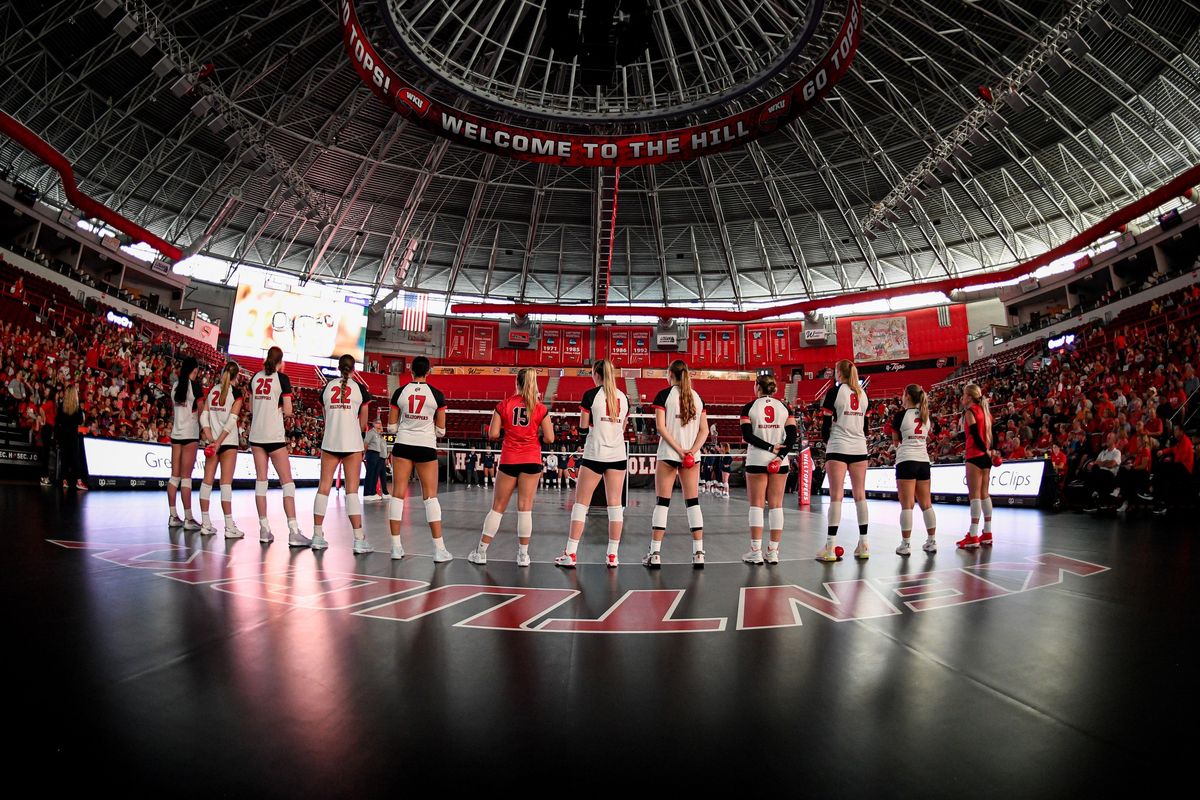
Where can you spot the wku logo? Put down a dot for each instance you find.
(418, 102)
(523, 608)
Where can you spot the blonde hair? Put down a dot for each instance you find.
(71, 399)
(228, 373)
(683, 379)
(766, 385)
(604, 370)
(528, 389)
(973, 391)
(848, 374)
(919, 400)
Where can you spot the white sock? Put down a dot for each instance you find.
(613, 544)
(697, 545)
(655, 546)
(976, 511)
(318, 531)
(396, 542)
(359, 535)
(755, 545)
(572, 545)
(205, 518)
(523, 548)
(986, 508)
(229, 521)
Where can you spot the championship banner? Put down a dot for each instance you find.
(551, 147)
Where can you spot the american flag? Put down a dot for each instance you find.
(416, 306)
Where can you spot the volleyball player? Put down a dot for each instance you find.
(521, 417)
(977, 427)
(910, 429)
(603, 413)
(188, 401)
(347, 407)
(682, 426)
(706, 471)
(551, 474)
(270, 403)
(418, 418)
(769, 430)
(219, 422)
(488, 462)
(845, 408)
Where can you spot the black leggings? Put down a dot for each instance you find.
(68, 460)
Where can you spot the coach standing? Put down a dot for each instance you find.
(377, 450)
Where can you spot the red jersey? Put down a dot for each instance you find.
(521, 445)
(976, 429)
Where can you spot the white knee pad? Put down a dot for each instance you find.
(775, 518)
(260, 488)
(860, 508)
(524, 524)
(491, 523)
(756, 517)
(353, 504)
(986, 506)
(695, 518)
(835, 513)
(906, 519)
(289, 489)
(976, 508)
(930, 518)
(174, 480)
(320, 504)
(658, 517)
(433, 510)
(396, 509)
(578, 512)
(616, 513)
(205, 491)
(226, 492)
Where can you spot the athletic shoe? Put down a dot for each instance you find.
(1124, 507)
(862, 552)
(441, 556)
(985, 539)
(652, 560)
(397, 552)
(264, 534)
(234, 532)
(698, 559)
(968, 542)
(362, 547)
(904, 549)
(1159, 512)
(566, 560)
(930, 546)
(612, 561)
(190, 524)
(522, 559)
(319, 543)
(1091, 509)
(207, 529)
(477, 556)
(298, 539)
(45, 481)
(174, 522)
(1149, 498)
(754, 557)
(81, 486)
(828, 554)
(771, 556)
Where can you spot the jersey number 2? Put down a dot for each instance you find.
(341, 394)
(919, 427)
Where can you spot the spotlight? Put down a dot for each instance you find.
(870, 235)
(902, 204)
(201, 106)
(1015, 101)
(125, 26)
(916, 191)
(217, 124)
(945, 166)
(977, 138)
(890, 215)
(1078, 46)
(142, 45)
(1036, 85)
(931, 180)
(106, 7)
(1058, 64)
(182, 86)
(1099, 25)
(233, 140)
(961, 152)
(164, 67)
(1120, 7)
(996, 121)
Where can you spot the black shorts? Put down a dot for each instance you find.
(604, 466)
(489, 466)
(763, 470)
(184, 441)
(845, 459)
(270, 448)
(515, 470)
(551, 474)
(912, 471)
(417, 455)
(983, 462)
(676, 463)
(225, 448)
(339, 454)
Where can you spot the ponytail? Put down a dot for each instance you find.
(919, 399)
(528, 389)
(346, 367)
(687, 401)
(228, 373)
(272, 361)
(181, 382)
(973, 391)
(604, 370)
(848, 374)
(766, 385)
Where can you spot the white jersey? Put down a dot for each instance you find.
(216, 413)
(551, 463)
(849, 413)
(684, 435)
(913, 433)
(266, 407)
(185, 422)
(606, 436)
(418, 404)
(343, 434)
(767, 418)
